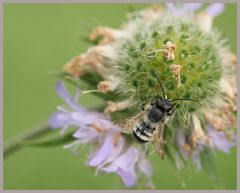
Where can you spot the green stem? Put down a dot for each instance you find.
(18, 142)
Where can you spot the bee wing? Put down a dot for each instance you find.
(158, 140)
(129, 123)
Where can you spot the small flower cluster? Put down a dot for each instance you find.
(193, 62)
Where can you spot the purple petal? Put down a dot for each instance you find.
(85, 134)
(103, 152)
(191, 6)
(171, 7)
(196, 160)
(124, 161)
(219, 140)
(59, 120)
(180, 140)
(128, 178)
(105, 123)
(215, 9)
(175, 10)
(144, 165)
(180, 137)
(183, 8)
(83, 117)
(63, 93)
(124, 165)
(117, 149)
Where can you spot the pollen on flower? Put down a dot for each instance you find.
(221, 118)
(115, 106)
(198, 136)
(233, 58)
(105, 35)
(104, 86)
(110, 84)
(186, 148)
(92, 61)
(112, 107)
(169, 51)
(80, 65)
(117, 138)
(74, 68)
(230, 135)
(176, 70)
(98, 128)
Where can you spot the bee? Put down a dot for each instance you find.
(148, 125)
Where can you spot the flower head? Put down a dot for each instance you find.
(196, 75)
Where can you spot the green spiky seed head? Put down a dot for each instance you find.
(186, 58)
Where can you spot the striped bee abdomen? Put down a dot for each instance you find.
(143, 132)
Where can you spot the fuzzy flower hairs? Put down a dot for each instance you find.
(169, 85)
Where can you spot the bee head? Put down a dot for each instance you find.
(164, 103)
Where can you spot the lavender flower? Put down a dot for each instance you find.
(188, 7)
(193, 61)
(212, 138)
(114, 154)
(215, 9)
(78, 117)
(220, 140)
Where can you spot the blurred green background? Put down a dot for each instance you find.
(41, 38)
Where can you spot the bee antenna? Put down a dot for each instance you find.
(184, 100)
(159, 82)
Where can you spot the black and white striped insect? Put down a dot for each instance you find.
(148, 125)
